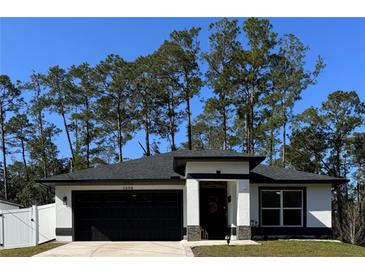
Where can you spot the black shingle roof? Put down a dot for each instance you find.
(263, 173)
(161, 167)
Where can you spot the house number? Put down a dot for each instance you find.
(127, 188)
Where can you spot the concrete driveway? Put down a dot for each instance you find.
(119, 249)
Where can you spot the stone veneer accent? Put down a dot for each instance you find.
(193, 232)
(243, 233)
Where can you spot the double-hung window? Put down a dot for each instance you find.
(281, 207)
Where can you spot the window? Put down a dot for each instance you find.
(282, 207)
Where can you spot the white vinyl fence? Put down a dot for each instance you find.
(27, 226)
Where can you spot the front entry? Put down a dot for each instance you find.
(213, 210)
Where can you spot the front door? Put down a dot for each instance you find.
(213, 210)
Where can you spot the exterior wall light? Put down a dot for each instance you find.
(64, 199)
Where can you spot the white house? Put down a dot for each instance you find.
(193, 195)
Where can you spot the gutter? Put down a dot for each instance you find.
(172, 181)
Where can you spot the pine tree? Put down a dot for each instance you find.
(221, 61)
(185, 50)
(144, 98)
(9, 101)
(60, 98)
(19, 127)
(291, 79)
(168, 93)
(114, 112)
(85, 91)
(252, 76)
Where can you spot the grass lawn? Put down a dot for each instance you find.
(282, 248)
(28, 251)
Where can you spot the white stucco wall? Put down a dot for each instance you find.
(319, 208)
(192, 202)
(230, 167)
(243, 203)
(64, 212)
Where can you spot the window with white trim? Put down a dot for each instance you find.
(281, 207)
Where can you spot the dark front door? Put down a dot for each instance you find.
(213, 211)
(127, 215)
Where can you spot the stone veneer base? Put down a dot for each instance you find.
(243, 232)
(193, 232)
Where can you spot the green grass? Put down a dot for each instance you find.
(28, 251)
(283, 248)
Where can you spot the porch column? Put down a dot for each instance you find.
(192, 210)
(243, 230)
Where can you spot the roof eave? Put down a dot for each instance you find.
(171, 181)
(257, 179)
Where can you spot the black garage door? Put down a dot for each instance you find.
(127, 215)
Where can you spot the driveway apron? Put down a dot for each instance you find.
(119, 249)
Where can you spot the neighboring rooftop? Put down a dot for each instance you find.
(170, 167)
(8, 203)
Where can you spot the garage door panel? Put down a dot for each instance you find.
(132, 215)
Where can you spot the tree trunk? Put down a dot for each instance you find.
(87, 122)
(225, 141)
(68, 138)
(249, 124)
(147, 137)
(24, 159)
(43, 143)
(77, 162)
(252, 146)
(172, 134)
(284, 144)
(341, 190)
(340, 209)
(171, 115)
(173, 146)
(249, 130)
(5, 170)
(188, 118)
(271, 147)
(248, 133)
(120, 138)
(146, 126)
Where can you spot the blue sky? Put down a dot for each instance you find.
(28, 44)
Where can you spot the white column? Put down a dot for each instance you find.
(243, 203)
(192, 202)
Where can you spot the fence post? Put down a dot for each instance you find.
(35, 225)
(2, 241)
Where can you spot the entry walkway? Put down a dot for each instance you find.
(218, 242)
